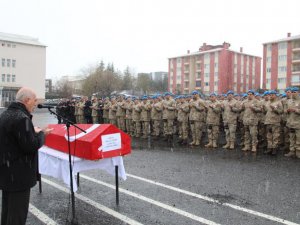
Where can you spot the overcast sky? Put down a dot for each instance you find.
(143, 34)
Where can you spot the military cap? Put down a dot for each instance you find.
(251, 91)
(272, 92)
(230, 92)
(195, 92)
(294, 89)
(167, 93)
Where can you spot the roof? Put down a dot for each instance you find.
(213, 50)
(284, 39)
(20, 39)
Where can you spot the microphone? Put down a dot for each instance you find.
(40, 106)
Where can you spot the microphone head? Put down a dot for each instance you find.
(40, 106)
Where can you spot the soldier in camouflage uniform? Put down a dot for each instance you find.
(169, 107)
(156, 116)
(112, 112)
(81, 110)
(128, 116)
(284, 127)
(145, 116)
(213, 121)
(120, 114)
(95, 110)
(136, 118)
(250, 120)
(231, 109)
(106, 110)
(197, 117)
(293, 122)
(183, 110)
(273, 110)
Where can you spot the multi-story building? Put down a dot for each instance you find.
(281, 63)
(158, 76)
(48, 85)
(214, 69)
(23, 63)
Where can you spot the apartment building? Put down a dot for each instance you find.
(23, 63)
(214, 68)
(281, 63)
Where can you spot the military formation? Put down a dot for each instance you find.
(269, 122)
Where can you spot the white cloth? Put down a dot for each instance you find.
(56, 164)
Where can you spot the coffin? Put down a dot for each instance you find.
(100, 141)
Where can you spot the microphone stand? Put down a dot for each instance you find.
(68, 124)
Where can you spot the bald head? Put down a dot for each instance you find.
(27, 97)
(24, 93)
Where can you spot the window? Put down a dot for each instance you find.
(268, 81)
(296, 79)
(8, 62)
(14, 46)
(216, 65)
(198, 83)
(3, 77)
(8, 78)
(206, 56)
(206, 84)
(282, 57)
(9, 45)
(268, 59)
(179, 60)
(281, 80)
(198, 75)
(13, 78)
(269, 47)
(282, 45)
(206, 66)
(13, 63)
(3, 62)
(216, 83)
(206, 74)
(216, 74)
(269, 70)
(3, 44)
(282, 68)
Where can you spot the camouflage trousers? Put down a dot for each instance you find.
(95, 119)
(273, 135)
(250, 136)
(121, 123)
(128, 125)
(183, 129)
(168, 126)
(145, 127)
(81, 119)
(213, 132)
(196, 130)
(295, 141)
(230, 132)
(137, 127)
(113, 122)
(156, 127)
(105, 120)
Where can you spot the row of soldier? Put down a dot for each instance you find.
(270, 119)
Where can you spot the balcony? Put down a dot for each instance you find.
(296, 60)
(296, 49)
(186, 71)
(187, 63)
(198, 70)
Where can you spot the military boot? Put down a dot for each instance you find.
(290, 154)
(215, 145)
(254, 148)
(268, 151)
(231, 145)
(274, 151)
(246, 148)
(197, 143)
(227, 145)
(209, 145)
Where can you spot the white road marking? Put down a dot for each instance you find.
(236, 207)
(95, 204)
(41, 216)
(154, 202)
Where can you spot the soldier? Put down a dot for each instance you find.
(87, 111)
(145, 116)
(169, 107)
(121, 111)
(76, 111)
(250, 120)
(94, 108)
(231, 111)
(100, 111)
(106, 106)
(213, 121)
(197, 117)
(156, 116)
(262, 128)
(285, 129)
(183, 109)
(128, 115)
(273, 110)
(112, 112)
(293, 122)
(136, 118)
(80, 110)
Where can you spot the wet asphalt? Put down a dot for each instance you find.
(247, 187)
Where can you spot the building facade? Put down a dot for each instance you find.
(23, 63)
(158, 76)
(214, 69)
(281, 63)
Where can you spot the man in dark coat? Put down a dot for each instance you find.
(19, 144)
